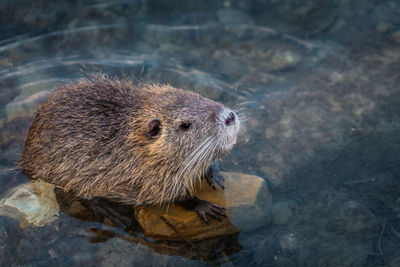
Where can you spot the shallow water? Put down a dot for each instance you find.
(319, 84)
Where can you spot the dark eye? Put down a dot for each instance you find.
(185, 126)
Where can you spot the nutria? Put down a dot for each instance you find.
(135, 143)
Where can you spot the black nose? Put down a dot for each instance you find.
(230, 120)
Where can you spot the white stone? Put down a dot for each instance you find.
(32, 204)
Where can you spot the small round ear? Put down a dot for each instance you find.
(154, 128)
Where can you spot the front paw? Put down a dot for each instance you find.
(204, 208)
(213, 177)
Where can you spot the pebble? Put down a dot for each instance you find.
(281, 213)
(396, 37)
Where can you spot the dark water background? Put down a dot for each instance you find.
(321, 87)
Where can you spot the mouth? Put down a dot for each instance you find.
(232, 140)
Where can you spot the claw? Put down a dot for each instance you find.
(202, 216)
(214, 215)
(218, 212)
(204, 209)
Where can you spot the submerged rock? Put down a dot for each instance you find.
(32, 204)
(281, 213)
(7, 226)
(356, 219)
(395, 37)
(246, 198)
(24, 108)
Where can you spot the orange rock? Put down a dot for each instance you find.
(246, 199)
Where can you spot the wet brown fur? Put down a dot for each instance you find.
(90, 137)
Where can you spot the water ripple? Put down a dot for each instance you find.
(42, 37)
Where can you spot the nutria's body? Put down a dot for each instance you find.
(132, 143)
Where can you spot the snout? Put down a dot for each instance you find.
(229, 128)
(227, 117)
(231, 118)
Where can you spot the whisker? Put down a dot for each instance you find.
(202, 161)
(197, 164)
(243, 104)
(189, 161)
(194, 157)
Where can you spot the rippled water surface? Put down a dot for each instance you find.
(320, 86)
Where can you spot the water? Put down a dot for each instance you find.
(320, 86)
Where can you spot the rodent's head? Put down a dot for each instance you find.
(185, 128)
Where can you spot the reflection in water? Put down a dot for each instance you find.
(112, 215)
(102, 221)
(320, 85)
